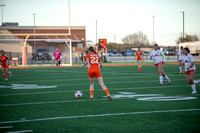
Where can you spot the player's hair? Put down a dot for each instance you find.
(2, 52)
(181, 47)
(187, 49)
(92, 49)
(156, 44)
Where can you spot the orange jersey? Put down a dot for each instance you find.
(4, 61)
(93, 65)
(139, 55)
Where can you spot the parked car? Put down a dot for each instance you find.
(113, 53)
(130, 53)
(145, 53)
(169, 51)
(43, 54)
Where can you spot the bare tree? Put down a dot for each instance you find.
(136, 40)
(188, 38)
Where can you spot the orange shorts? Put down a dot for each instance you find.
(138, 59)
(4, 65)
(94, 73)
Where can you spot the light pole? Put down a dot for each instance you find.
(34, 32)
(96, 31)
(153, 31)
(2, 11)
(183, 26)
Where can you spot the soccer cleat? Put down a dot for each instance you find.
(109, 97)
(6, 79)
(194, 92)
(160, 84)
(91, 97)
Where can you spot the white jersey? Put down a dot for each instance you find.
(157, 56)
(187, 60)
(180, 54)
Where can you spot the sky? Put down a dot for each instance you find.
(115, 18)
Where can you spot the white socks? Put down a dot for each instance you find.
(193, 88)
(161, 79)
(180, 67)
(166, 77)
(196, 81)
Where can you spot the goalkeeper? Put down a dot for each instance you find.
(58, 57)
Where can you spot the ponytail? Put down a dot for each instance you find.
(92, 49)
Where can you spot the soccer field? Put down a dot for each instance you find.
(42, 100)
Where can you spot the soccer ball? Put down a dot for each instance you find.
(78, 94)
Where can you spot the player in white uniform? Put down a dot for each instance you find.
(190, 69)
(179, 58)
(158, 62)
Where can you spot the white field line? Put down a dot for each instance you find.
(5, 127)
(53, 102)
(117, 82)
(59, 79)
(77, 73)
(99, 115)
(123, 82)
(23, 131)
(50, 92)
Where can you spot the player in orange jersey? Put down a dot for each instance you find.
(4, 64)
(139, 55)
(94, 64)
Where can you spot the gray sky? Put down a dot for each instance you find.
(114, 17)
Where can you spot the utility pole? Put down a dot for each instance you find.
(34, 33)
(183, 26)
(96, 31)
(153, 31)
(2, 11)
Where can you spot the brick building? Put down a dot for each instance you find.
(50, 43)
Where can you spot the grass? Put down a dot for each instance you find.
(42, 100)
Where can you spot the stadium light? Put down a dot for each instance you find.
(96, 31)
(183, 25)
(34, 31)
(153, 30)
(2, 11)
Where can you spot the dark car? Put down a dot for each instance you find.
(43, 54)
(130, 52)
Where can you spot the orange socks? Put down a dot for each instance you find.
(91, 93)
(4, 75)
(139, 69)
(107, 92)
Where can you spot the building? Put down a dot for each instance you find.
(50, 43)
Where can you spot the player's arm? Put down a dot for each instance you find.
(177, 57)
(100, 62)
(142, 57)
(150, 57)
(192, 64)
(182, 64)
(164, 57)
(87, 61)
